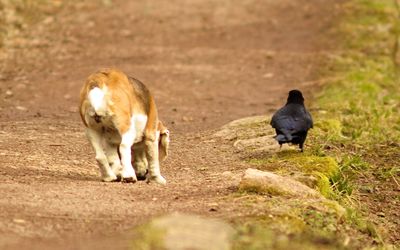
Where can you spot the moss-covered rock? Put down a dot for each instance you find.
(179, 231)
(314, 171)
(148, 237)
(245, 128)
(263, 182)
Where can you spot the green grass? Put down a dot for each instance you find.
(365, 101)
(366, 98)
(357, 125)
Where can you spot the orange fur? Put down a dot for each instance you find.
(163, 142)
(125, 102)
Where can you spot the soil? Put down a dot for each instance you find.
(206, 62)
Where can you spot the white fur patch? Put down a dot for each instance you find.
(138, 123)
(134, 134)
(96, 98)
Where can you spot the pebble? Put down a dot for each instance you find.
(270, 54)
(21, 108)
(48, 20)
(91, 24)
(227, 173)
(19, 221)
(268, 75)
(187, 119)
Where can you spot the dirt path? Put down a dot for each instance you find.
(207, 62)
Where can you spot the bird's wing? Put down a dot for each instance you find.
(277, 116)
(292, 124)
(293, 118)
(309, 119)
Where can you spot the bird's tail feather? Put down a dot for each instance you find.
(287, 135)
(282, 139)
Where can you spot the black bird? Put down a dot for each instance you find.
(292, 121)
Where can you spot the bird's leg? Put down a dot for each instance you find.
(280, 146)
(301, 147)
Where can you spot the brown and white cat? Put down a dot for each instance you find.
(120, 115)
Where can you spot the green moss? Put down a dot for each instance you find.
(258, 161)
(324, 185)
(253, 236)
(325, 165)
(147, 237)
(330, 128)
(286, 232)
(289, 223)
(290, 162)
(335, 208)
(252, 187)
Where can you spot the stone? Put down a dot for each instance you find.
(227, 174)
(270, 54)
(180, 231)
(235, 178)
(259, 144)
(248, 121)
(48, 20)
(9, 93)
(251, 135)
(306, 179)
(187, 119)
(19, 221)
(244, 128)
(264, 182)
(21, 108)
(268, 75)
